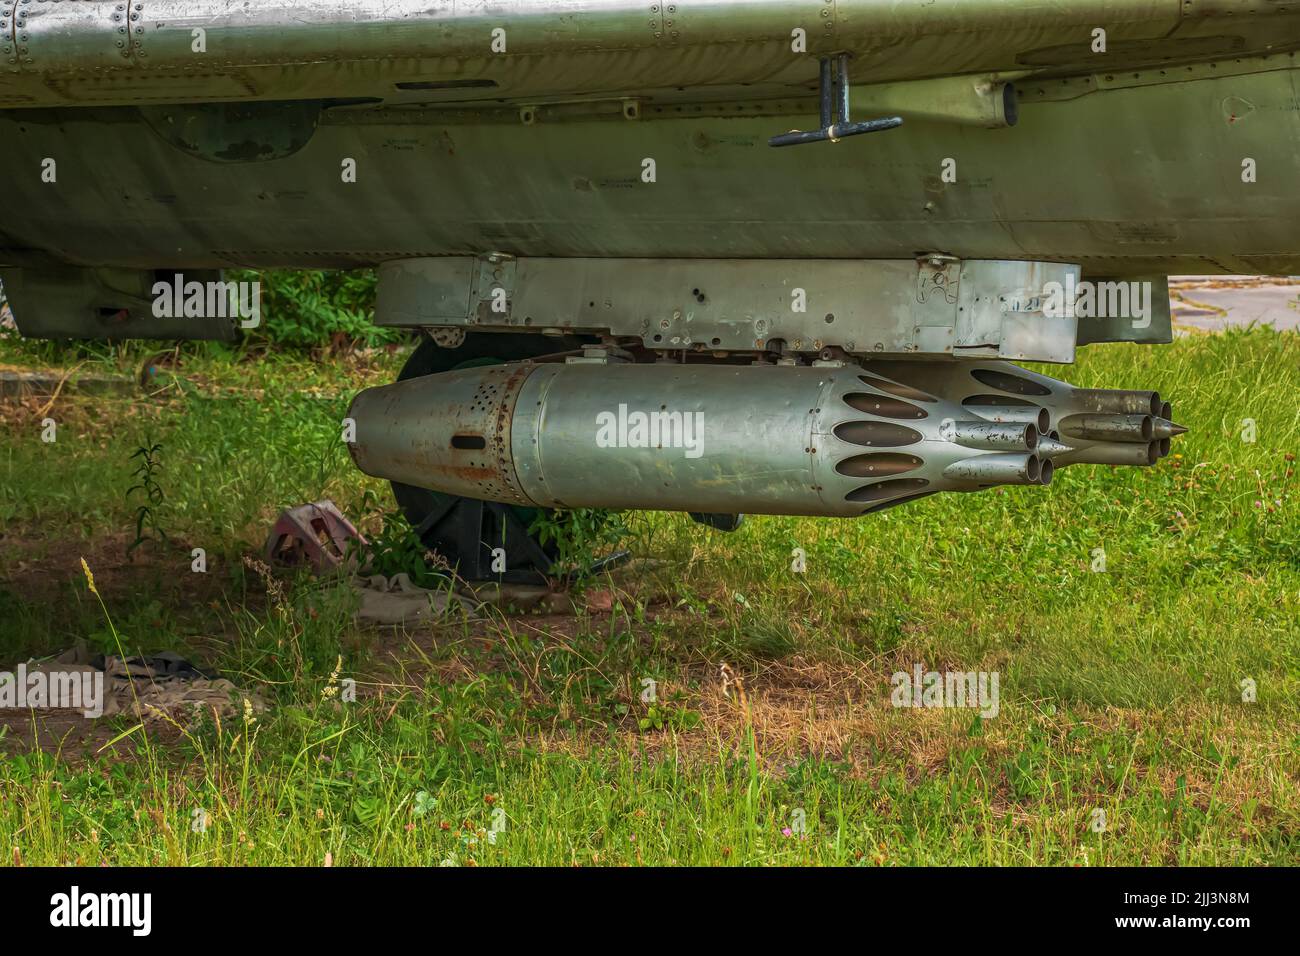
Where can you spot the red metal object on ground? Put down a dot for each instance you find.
(316, 534)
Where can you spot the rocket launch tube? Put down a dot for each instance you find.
(717, 438)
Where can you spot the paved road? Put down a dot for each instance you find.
(1215, 303)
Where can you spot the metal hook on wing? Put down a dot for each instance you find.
(835, 122)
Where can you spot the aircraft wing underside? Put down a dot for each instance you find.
(427, 52)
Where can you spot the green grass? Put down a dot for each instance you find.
(1120, 691)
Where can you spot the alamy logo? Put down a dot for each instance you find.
(1098, 300)
(208, 300)
(74, 908)
(53, 690)
(661, 429)
(975, 689)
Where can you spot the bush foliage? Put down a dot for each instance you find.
(318, 308)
